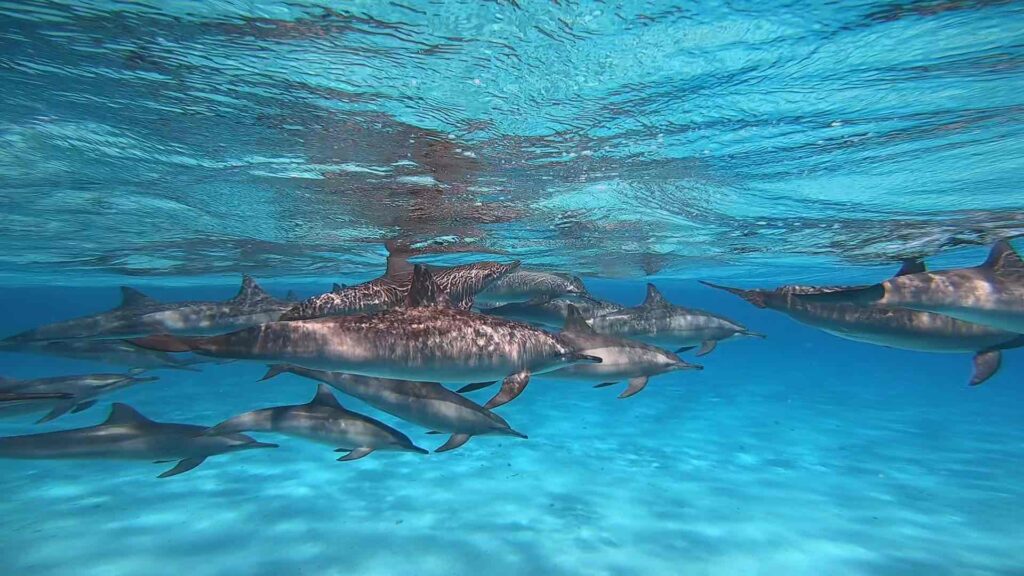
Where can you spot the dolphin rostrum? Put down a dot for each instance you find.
(83, 392)
(427, 341)
(657, 321)
(128, 435)
(552, 312)
(139, 315)
(426, 404)
(991, 294)
(325, 421)
(525, 285)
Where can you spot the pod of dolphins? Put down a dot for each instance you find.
(396, 341)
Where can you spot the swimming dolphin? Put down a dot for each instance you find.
(325, 421)
(991, 294)
(83, 391)
(553, 311)
(427, 341)
(117, 352)
(525, 285)
(139, 315)
(621, 358)
(426, 404)
(128, 435)
(657, 321)
(892, 327)
(11, 397)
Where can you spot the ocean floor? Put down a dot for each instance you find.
(802, 454)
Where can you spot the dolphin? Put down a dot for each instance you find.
(12, 397)
(525, 285)
(322, 420)
(427, 341)
(83, 390)
(991, 294)
(552, 312)
(139, 315)
(426, 404)
(128, 435)
(621, 358)
(657, 321)
(893, 327)
(116, 352)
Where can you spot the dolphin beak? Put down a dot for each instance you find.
(417, 449)
(517, 434)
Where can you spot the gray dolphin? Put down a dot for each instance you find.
(139, 315)
(553, 311)
(117, 352)
(325, 421)
(991, 294)
(84, 390)
(657, 321)
(128, 435)
(621, 358)
(525, 285)
(12, 397)
(428, 341)
(426, 404)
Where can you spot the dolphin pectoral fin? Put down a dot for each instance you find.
(707, 347)
(354, 454)
(58, 411)
(511, 387)
(603, 384)
(634, 385)
(182, 467)
(83, 406)
(475, 386)
(454, 442)
(684, 349)
(986, 364)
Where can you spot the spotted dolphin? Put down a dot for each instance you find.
(428, 340)
(323, 420)
(657, 321)
(552, 312)
(991, 294)
(83, 392)
(525, 285)
(426, 404)
(128, 435)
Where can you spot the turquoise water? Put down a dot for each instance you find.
(173, 146)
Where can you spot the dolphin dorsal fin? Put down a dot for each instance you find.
(130, 298)
(912, 266)
(250, 290)
(324, 397)
(574, 322)
(123, 415)
(654, 297)
(424, 290)
(1004, 257)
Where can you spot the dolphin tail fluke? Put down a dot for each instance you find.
(453, 442)
(986, 364)
(354, 454)
(162, 343)
(633, 386)
(475, 386)
(755, 297)
(511, 387)
(707, 347)
(182, 467)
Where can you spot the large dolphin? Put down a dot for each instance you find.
(621, 358)
(116, 352)
(83, 391)
(426, 404)
(128, 435)
(552, 312)
(428, 341)
(991, 294)
(525, 285)
(892, 327)
(323, 420)
(139, 315)
(657, 321)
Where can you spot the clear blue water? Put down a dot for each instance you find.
(173, 146)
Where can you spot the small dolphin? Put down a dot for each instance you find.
(11, 397)
(526, 285)
(116, 352)
(621, 358)
(657, 321)
(426, 404)
(139, 315)
(427, 341)
(552, 312)
(128, 435)
(83, 391)
(325, 421)
(991, 294)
